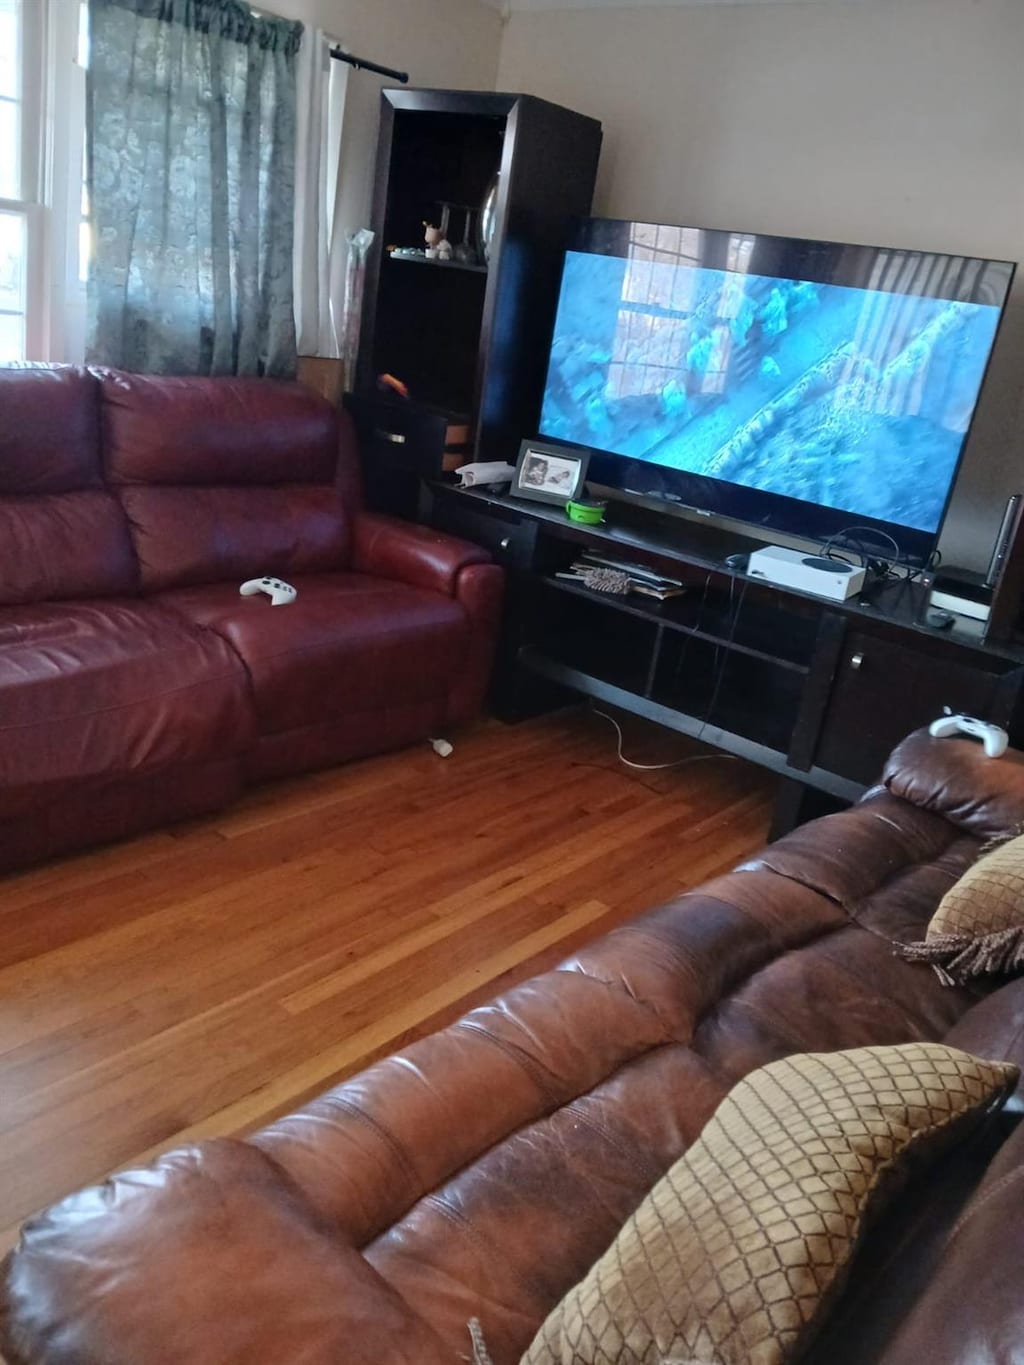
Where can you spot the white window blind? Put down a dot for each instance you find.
(16, 177)
(42, 120)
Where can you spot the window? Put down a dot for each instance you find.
(42, 112)
(13, 173)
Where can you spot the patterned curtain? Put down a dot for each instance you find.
(191, 174)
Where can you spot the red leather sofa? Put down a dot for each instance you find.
(136, 685)
(479, 1173)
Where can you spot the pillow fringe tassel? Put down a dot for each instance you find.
(957, 958)
(481, 1355)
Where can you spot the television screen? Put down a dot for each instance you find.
(772, 379)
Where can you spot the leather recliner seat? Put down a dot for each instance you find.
(136, 685)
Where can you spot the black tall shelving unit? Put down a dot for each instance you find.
(468, 339)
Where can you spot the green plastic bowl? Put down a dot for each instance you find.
(585, 511)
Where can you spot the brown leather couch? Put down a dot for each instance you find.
(136, 686)
(481, 1171)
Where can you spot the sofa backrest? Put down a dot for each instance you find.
(938, 1277)
(224, 478)
(62, 533)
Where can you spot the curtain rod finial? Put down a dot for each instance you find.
(361, 64)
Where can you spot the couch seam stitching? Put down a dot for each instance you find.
(648, 1170)
(529, 1064)
(459, 1220)
(355, 1111)
(121, 706)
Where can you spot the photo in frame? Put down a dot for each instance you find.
(549, 473)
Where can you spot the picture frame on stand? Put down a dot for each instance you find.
(549, 473)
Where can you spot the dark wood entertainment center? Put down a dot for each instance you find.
(814, 690)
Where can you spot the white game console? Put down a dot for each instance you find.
(832, 578)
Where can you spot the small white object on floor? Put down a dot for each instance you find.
(485, 471)
(281, 594)
(442, 748)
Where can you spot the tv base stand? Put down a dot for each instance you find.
(816, 691)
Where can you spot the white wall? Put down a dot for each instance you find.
(884, 121)
(444, 44)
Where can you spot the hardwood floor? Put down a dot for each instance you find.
(205, 978)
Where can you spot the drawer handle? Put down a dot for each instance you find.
(857, 660)
(505, 542)
(392, 436)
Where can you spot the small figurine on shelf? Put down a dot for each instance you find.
(438, 246)
(387, 383)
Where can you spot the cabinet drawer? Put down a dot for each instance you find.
(510, 538)
(398, 435)
(883, 691)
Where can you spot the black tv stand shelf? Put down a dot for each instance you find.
(816, 691)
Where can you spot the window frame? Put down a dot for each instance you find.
(52, 114)
(27, 203)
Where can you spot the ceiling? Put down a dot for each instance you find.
(507, 6)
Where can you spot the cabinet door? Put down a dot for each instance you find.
(397, 436)
(510, 537)
(883, 691)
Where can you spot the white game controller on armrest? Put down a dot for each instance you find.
(280, 593)
(995, 739)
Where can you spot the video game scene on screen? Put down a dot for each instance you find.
(793, 387)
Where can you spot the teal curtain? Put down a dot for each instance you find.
(191, 176)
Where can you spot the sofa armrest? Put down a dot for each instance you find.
(210, 1256)
(952, 777)
(389, 548)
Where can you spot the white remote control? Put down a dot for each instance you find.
(995, 739)
(279, 592)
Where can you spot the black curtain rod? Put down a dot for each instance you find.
(361, 65)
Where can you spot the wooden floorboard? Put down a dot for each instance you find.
(203, 979)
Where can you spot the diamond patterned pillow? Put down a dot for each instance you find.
(978, 929)
(735, 1253)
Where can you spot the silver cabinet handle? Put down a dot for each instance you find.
(391, 436)
(505, 542)
(856, 660)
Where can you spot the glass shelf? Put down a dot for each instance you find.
(420, 259)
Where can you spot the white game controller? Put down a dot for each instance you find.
(279, 592)
(995, 739)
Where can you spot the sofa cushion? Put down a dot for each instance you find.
(64, 546)
(347, 643)
(49, 436)
(96, 690)
(62, 535)
(971, 1312)
(187, 536)
(735, 1254)
(224, 479)
(994, 1027)
(978, 929)
(205, 432)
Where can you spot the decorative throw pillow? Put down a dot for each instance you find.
(736, 1252)
(978, 929)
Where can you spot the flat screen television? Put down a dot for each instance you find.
(801, 386)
